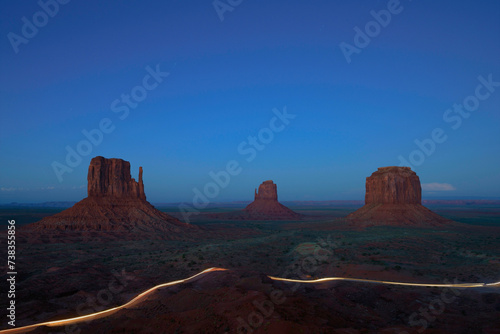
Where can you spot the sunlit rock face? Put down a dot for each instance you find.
(393, 197)
(393, 185)
(111, 178)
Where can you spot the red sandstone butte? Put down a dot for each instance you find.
(266, 204)
(393, 197)
(111, 178)
(115, 202)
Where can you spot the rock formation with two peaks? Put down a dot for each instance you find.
(266, 205)
(394, 197)
(114, 202)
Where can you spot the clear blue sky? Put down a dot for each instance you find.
(226, 77)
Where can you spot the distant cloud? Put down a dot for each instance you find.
(437, 187)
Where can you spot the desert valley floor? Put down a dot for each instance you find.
(67, 274)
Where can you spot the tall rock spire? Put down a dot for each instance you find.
(142, 195)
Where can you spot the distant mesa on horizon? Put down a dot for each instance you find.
(394, 197)
(264, 207)
(266, 203)
(115, 202)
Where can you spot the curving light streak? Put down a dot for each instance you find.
(496, 284)
(105, 313)
(327, 279)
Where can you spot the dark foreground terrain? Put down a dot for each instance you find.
(63, 275)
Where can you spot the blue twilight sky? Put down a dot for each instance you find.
(229, 68)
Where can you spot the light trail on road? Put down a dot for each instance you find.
(329, 279)
(105, 313)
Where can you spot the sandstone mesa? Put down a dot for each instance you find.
(394, 197)
(115, 202)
